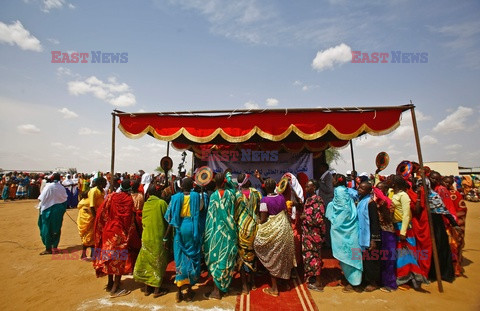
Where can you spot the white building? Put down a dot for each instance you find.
(445, 168)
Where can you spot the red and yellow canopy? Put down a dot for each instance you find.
(292, 130)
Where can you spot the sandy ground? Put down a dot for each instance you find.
(38, 282)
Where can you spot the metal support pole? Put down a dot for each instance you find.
(112, 160)
(168, 148)
(353, 158)
(427, 205)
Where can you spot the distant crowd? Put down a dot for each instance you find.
(24, 185)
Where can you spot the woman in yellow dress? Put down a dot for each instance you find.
(87, 207)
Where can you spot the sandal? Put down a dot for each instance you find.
(147, 290)
(386, 289)
(178, 297)
(159, 292)
(120, 293)
(208, 296)
(189, 296)
(46, 252)
(314, 287)
(267, 290)
(370, 288)
(348, 289)
(108, 287)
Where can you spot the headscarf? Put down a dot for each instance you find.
(245, 180)
(378, 194)
(146, 180)
(295, 185)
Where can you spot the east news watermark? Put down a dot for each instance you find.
(98, 254)
(395, 57)
(392, 254)
(244, 155)
(94, 57)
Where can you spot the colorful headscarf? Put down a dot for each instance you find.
(245, 180)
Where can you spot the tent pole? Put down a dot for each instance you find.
(168, 148)
(353, 158)
(427, 206)
(112, 160)
(193, 162)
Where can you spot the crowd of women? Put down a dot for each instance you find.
(377, 229)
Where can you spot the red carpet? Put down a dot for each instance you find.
(297, 298)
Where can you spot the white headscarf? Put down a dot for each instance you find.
(146, 180)
(295, 185)
(53, 193)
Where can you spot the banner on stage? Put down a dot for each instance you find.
(287, 163)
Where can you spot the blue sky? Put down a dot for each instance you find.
(213, 54)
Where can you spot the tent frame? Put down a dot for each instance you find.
(410, 107)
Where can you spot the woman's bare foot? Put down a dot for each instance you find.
(159, 292)
(147, 290)
(109, 286)
(245, 288)
(371, 288)
(178, 296)
(46, 252)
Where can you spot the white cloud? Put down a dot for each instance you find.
(66, 72)
(421, 117)
(429, 140)
(462, 38)
(28, 129)
(328, 58)
(403, 132)
(304, 86)
(263, 22)
(455, 122)
(392, 151)
(101, 154)
(15, 33)
(114, 93)
(87, 131)
(370, 141)
(55, 4)
(53, 41)
(238, 20)
(130, 148)
(52, 4)
(453, 147)
(272, 102)
(123, 100)
(156, 147)
(65, 147)
(251, 105)
(68, 114)
(62, 71)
